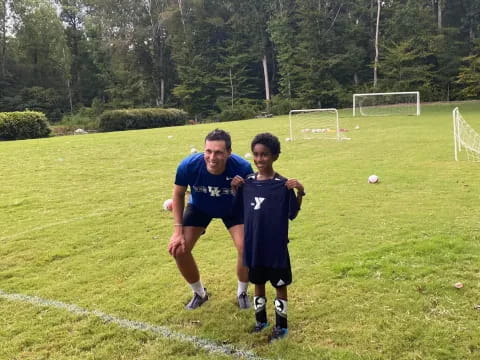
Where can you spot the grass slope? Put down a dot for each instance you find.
(373, 265)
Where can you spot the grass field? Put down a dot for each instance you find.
(82, 227)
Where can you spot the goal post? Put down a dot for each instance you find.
(388, 103)
(465, 138)
(314, 124)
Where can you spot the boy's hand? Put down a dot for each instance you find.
(237, 182)
(294, 184)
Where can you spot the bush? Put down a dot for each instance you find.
(238, 112)
(242, 109)
(118, 120)
(282, 106)
(23, 125)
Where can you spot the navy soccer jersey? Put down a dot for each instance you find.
(267, 207)
(210, 193)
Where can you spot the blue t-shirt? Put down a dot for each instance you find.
(267, 206)
(210, 193)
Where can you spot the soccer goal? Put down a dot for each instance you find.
(465, 138)
(385, 104)
(314, 124)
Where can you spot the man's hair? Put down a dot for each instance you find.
(268, 140)
(220, 135)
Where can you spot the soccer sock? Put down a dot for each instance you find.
(242, 287)
(259, 304)
(281, 313)
(198, 288)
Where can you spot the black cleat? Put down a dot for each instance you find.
(278, 333)
(196, 301)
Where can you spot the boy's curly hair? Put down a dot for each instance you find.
(268, 140)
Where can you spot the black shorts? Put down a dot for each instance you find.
(277, 277)
(193, 216)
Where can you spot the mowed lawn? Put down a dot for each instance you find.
(374, 266)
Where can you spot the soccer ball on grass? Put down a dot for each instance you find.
(168, 205)
(373, 179)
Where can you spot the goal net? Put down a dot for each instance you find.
(465, 138)
(385, 104)
(314, 124)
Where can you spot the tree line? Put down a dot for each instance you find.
(229, 58)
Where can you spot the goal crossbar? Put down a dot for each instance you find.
(389, 94)
(316, 128)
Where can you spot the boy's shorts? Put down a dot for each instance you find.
(193, 216)
(277, 277)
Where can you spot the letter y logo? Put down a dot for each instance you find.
(258, 202)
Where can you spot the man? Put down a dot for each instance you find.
(209, 176)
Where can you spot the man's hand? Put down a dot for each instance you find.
(176, 246)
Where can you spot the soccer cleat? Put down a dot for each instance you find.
(259, 326)
(243, 301)
(278, 333)
(196, 301)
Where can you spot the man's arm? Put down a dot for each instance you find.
(176, 245)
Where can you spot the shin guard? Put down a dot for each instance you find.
(259, 304)
(281, 313)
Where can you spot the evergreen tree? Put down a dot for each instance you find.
(469, 76)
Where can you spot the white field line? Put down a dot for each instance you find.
(204, 344)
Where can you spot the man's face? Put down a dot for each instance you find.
(216, 155)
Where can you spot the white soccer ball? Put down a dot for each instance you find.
(288, 139)
(193, 151)
(248, 155)
(168, 205)
(373, 179)
(170, 136)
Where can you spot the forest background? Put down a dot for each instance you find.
(232, 59)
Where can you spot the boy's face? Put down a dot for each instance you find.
(216, 156)
(263, 158)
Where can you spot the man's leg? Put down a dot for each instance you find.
(236, 232)
(188, 267)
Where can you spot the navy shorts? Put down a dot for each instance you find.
(277, 277)
(193, 216)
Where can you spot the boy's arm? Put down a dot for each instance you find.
(295, 184)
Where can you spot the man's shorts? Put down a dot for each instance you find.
(193, 216)
(277, 277)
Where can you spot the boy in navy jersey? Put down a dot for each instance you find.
(267, 201)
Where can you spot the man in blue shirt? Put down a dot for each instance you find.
(209, 176)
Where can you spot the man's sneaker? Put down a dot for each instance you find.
(243, 301)
(196, 301)
(278, 333)
(259, 326)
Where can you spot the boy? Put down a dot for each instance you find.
(267, 201)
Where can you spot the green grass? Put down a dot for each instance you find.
(373, 265)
